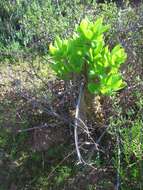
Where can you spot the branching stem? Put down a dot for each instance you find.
(77, 116)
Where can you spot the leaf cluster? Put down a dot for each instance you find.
(87, 54)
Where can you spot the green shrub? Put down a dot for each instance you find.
(132, 141)
(87, 54)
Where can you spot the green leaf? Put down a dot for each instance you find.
(106, 90)
(99, 47)
(84, 28)
(84, 25)
(118, 55)
(88, 34)
(93, 88)
(92, 74)
(97, 25)
(58, 42)
(99, 28)
(115, 82)
(52, 49)
(116, 49)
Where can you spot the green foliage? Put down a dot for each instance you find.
(132, 168)
(64, 172)
(132, 141)
(87, 53)
(27, 22)
(127, 125)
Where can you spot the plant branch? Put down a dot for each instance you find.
(77, 116)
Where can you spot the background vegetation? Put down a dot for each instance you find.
(37, 150)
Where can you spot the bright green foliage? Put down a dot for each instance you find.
(87, 53)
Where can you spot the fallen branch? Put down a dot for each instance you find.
(36, 127)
